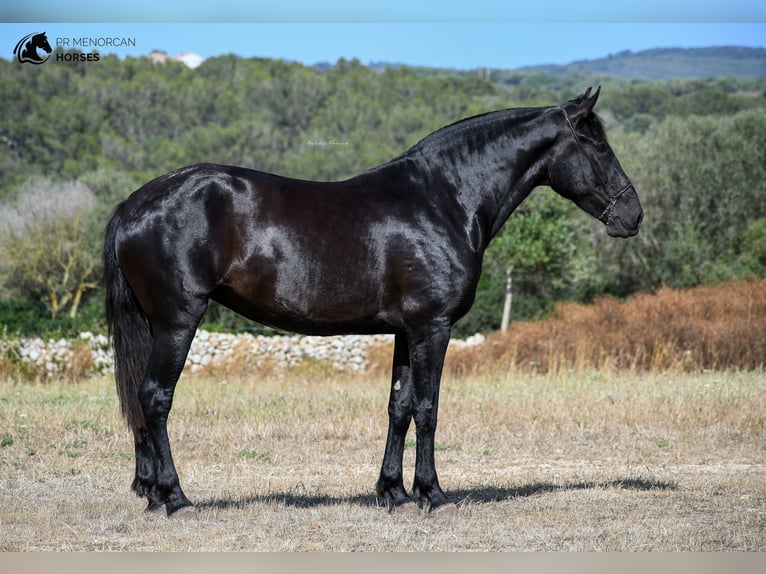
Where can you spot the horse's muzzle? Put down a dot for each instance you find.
(626, 215)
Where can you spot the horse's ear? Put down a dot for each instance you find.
(586, 106)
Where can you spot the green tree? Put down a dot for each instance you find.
(701, 181)
(751, 248)
(538, 239)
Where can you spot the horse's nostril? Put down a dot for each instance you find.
(640, 218)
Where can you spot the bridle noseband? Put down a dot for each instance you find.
(613, 199)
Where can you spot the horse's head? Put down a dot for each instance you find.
(585, 169)
(26, 49)
(41, 41)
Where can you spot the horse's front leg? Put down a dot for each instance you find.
(390, 486)
(428, 347)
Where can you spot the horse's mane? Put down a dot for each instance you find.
(481, 121)
(471, 124)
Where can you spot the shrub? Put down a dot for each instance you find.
(44, 245)
(674, 329)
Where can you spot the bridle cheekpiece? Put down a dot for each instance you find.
(613, 199)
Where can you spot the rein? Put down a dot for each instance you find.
(613, 199)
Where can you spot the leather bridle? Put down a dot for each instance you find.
(613, 199)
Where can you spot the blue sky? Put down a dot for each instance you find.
(480, 33)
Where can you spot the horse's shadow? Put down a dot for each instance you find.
(482, 494)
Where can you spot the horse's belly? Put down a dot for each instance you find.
(311, 303)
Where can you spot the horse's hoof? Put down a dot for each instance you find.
(406, 509)
(446, 510)
(184, 513)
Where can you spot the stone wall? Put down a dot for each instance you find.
(210, 351)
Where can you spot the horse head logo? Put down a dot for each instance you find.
(26, 50)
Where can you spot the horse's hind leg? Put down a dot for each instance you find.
(156, 476)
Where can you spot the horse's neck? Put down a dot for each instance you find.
(492, 166)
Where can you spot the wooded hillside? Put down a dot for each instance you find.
(77, 137)
(670, 63)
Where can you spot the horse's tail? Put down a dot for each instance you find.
(128, 330)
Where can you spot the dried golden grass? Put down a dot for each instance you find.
(672, 330)
(288, 462)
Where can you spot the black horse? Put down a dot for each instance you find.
(397, 249)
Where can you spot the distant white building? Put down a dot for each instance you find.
(190, 59)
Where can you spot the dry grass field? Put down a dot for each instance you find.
(582, 461)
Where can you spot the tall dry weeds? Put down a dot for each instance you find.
(720, 327)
